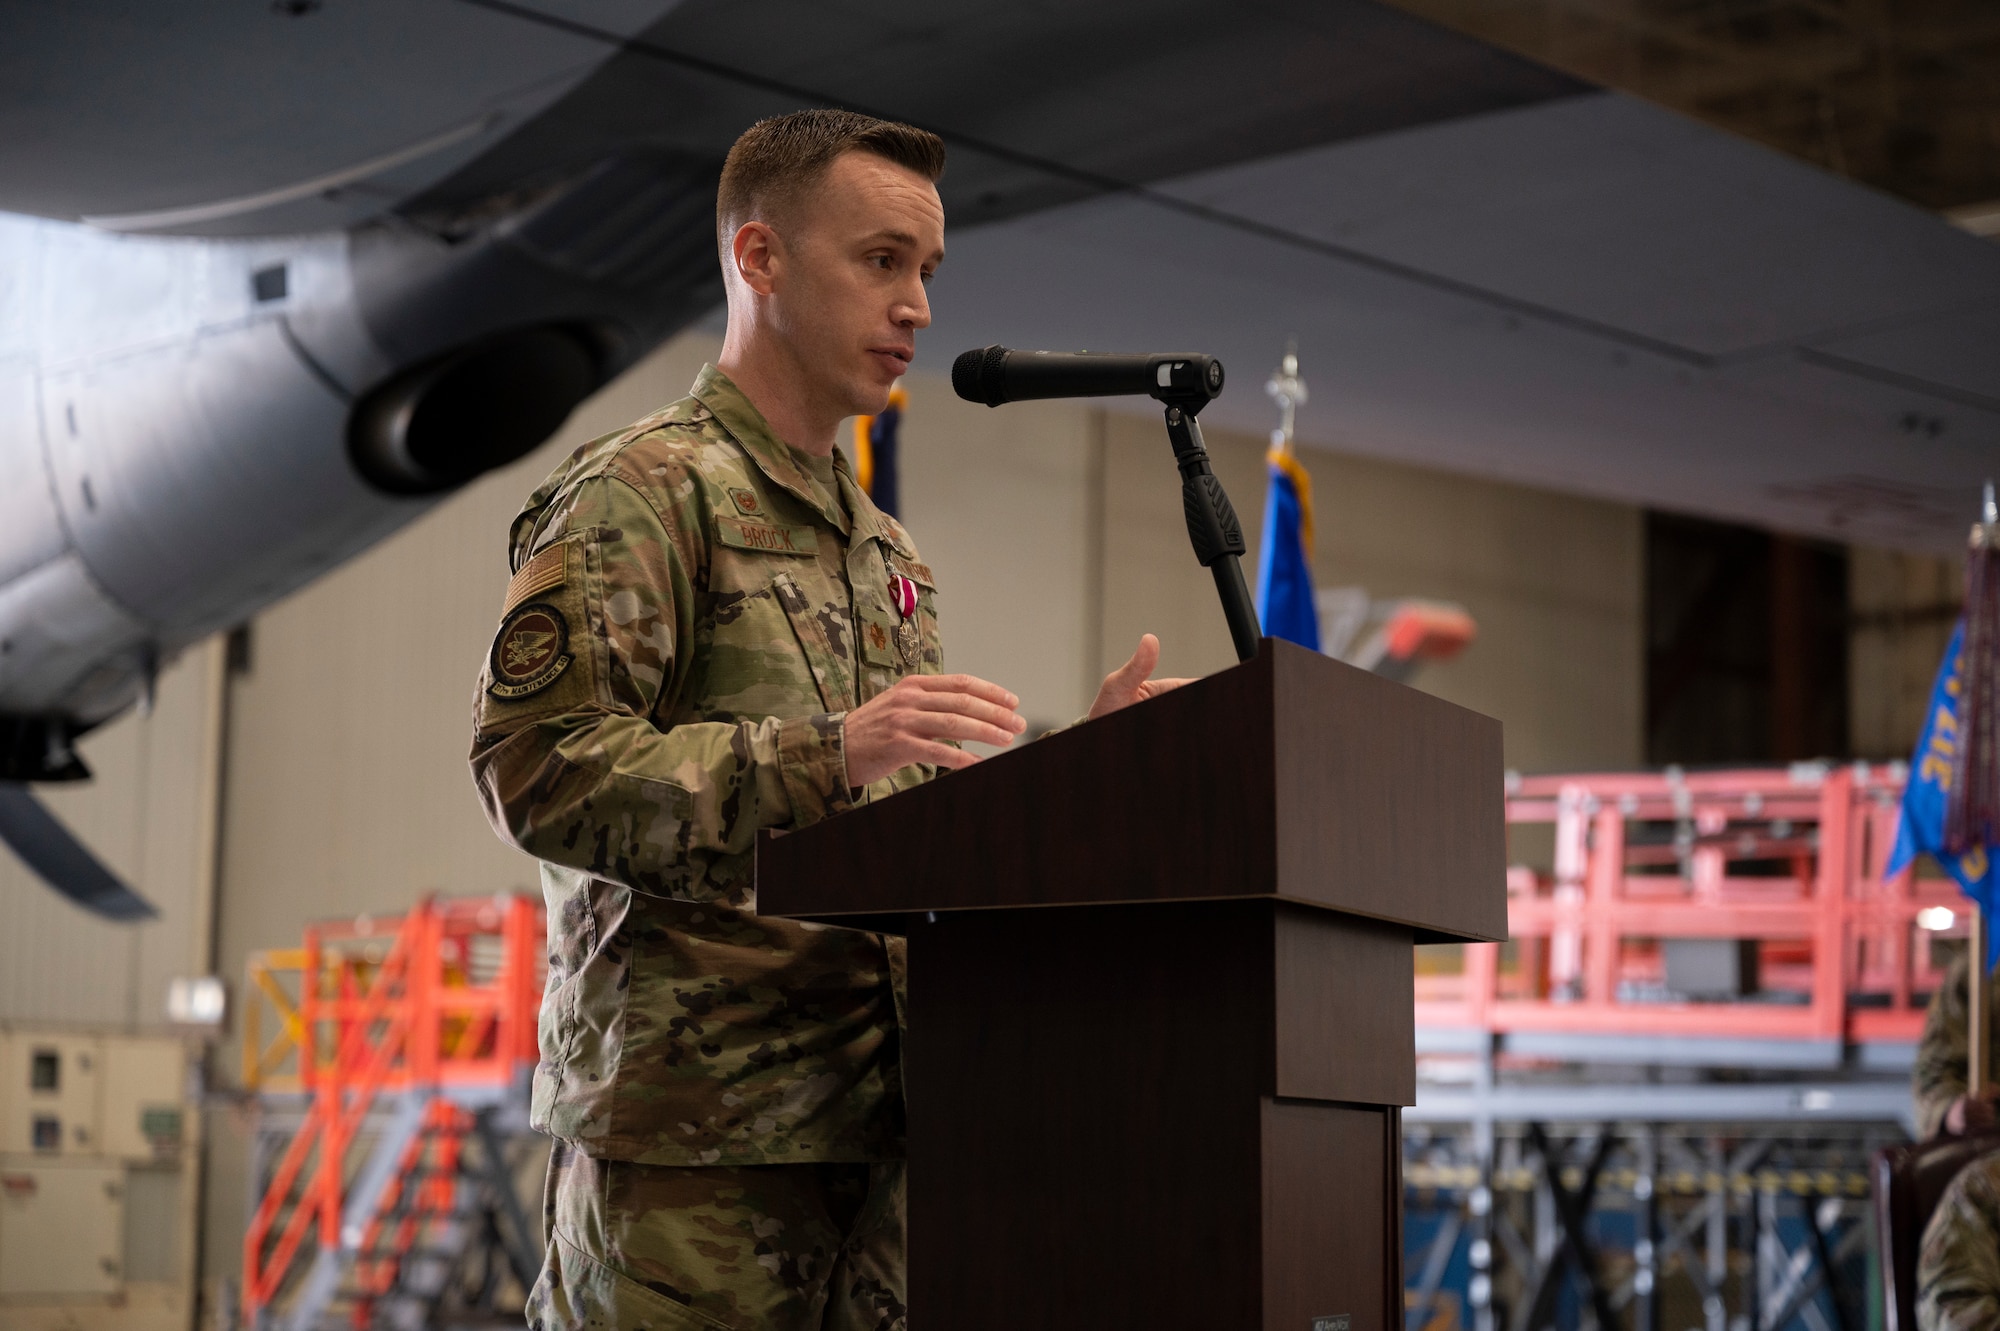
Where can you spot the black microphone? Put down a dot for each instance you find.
(994, 375)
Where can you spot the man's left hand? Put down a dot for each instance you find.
(1131, 682)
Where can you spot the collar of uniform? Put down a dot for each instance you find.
(868, 519)
(714, 390)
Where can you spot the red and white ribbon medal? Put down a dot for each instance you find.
(904, 593)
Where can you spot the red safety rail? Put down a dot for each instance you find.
(442, 997)
(1793, 858)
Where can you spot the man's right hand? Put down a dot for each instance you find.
(1971, 1113)
(908, 722)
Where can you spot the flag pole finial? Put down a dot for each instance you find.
(1290, 393)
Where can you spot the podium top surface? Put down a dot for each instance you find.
(1291, 776)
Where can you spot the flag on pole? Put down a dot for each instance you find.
(875, 453)
(1951, 802)
(1285, 602)
(1284, 564)
(1927, 793)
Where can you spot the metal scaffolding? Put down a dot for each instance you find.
(1591, 1146)
(1651, 1226)
(391, 1112)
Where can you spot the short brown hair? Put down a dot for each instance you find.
(776, 162)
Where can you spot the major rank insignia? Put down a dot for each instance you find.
(531, 651)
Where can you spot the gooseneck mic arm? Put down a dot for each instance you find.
(1185, 383)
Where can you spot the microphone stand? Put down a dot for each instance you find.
(1212, 524)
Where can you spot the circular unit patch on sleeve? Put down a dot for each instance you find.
(531, 651)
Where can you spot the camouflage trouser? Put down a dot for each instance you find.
(765, 1248)
(1958, 1273)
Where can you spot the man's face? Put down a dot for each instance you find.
(851, 298)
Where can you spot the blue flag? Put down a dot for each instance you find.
(1921, 828)
(1284, 568)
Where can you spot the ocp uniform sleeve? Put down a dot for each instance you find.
(1938, 1077)
(1958, 1266)
(581, 771)
(1941, 1070)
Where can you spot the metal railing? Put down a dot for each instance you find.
(1792, 859)
(418, 1010)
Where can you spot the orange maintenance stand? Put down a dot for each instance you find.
(402, 1042)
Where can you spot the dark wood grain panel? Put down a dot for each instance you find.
(1084, 1122)
(1390, 801)
(1344, 1008)
(1290, 775)
(1170, 799)
(1325, 1244)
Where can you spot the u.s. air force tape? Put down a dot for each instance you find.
(531, 651)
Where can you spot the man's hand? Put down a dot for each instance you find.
(1129, 683)
(1971, 1113)
(906, 723)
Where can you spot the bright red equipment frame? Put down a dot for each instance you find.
(1641, 857)
(441, 998)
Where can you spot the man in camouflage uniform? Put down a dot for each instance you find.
(1958, 1269)
(712, 630)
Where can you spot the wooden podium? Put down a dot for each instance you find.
(1160, 1007)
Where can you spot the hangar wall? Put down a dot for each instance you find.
(1061, 524)
(1903, 607)
(1553, 582)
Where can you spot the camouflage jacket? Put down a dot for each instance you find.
(690, 618)
(1958, 1267)
(1940, 1073)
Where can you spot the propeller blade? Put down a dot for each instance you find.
(63, 862)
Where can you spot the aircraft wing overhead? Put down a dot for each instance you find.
(1077, 98)
(269, 118)
(1397, 195)
(1499, 269)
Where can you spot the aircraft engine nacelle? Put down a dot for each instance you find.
(192, 428)
(437, 425)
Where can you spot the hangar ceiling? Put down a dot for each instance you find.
(1903, 95)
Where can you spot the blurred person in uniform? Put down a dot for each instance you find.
(1938, 1079)
(710, 630)
(1958, 1267)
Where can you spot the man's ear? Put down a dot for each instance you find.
(758, 255)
